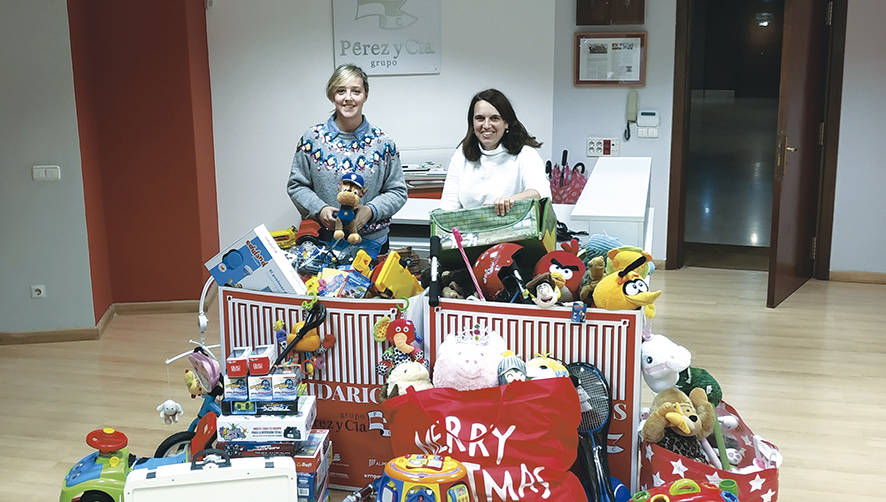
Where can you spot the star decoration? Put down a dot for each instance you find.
(757, 483)
(679, 468)
(748, 440)
(656, 480)
(643, 488)
(714, 478)
(649, 453)
(768, 495)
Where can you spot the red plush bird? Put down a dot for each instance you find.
(566, 262)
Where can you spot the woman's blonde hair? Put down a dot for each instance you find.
(341, 75)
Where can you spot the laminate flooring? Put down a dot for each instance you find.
(808, 376)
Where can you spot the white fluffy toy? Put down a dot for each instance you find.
(661, 361)
(469, 360)
(170, 411)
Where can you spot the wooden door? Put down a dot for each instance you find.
(798, 153)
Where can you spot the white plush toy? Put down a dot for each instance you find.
(170, 411)
(404, 376)
(661, 362)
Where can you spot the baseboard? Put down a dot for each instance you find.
(74, 335)
(852, 276)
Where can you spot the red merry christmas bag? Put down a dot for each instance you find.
(517, 441)
(659, 466)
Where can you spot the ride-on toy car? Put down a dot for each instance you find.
(100, 476)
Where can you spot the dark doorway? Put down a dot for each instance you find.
(735, 56)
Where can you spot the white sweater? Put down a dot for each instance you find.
(471, 184)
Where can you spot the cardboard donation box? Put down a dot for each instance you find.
(531, 223)
(347, 387)
(254, 261)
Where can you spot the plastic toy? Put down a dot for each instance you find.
(101, 475)
(170, 411)
(414, 478)
(689, 490)
(349, 193)
(285, 238)
(626, 289)
(681, 423)
(394, 280)
(307, 331)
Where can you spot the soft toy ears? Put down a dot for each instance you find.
(614, 252)
(571, 246)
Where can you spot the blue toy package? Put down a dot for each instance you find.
(254, 261)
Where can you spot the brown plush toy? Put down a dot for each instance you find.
(680, 423)
(595, 272)
(349, 193)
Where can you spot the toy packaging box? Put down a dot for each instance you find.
(313, 477)
(269, 427)
(255, 262)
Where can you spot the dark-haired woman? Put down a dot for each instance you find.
(497, 162)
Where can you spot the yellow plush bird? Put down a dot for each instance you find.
(626, 289)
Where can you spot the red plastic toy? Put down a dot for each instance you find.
(688, 490)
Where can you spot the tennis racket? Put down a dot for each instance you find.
(594, 428)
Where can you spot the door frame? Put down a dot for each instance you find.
(680, 138)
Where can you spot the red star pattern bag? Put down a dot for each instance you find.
(517, 441)
(659, 466)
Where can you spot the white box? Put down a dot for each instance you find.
(255, 478)
(254, 261)
(236, 388)
(235, 428)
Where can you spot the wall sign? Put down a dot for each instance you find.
(387, 37)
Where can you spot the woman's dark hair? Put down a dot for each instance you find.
(515, 136)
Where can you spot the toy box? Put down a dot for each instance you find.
(285, 383)
(259, 407)
(254, 261)
(259, 448)
(215, 479)
(311, 452)
(236, 388)
(236, 365)
(269, 427)
(261, 358)
(312, 483)
(261, 388)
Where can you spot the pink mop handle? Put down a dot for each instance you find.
(457, 236)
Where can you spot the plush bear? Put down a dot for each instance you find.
(469, 360)
(349, 193)
(595, 271)
(681, 423)
(404, 376)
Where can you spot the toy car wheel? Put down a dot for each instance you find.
(175, 444)
(94, 496)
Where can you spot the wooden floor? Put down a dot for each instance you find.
(809, 376)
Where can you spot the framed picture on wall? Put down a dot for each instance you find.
(610, 58)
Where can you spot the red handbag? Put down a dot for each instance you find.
(517, 441)
(660, 466)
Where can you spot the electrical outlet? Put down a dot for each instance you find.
(38, 291)
(602, 147)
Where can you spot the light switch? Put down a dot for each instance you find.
(46, 173)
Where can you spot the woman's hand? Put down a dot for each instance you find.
(327, 217)
(503, 204)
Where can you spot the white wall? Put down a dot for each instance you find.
(42, 224)
(269, 62)
(859, 237)
(580, 112)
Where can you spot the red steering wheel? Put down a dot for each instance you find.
(106, 440)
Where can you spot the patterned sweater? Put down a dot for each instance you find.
(324, 153)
